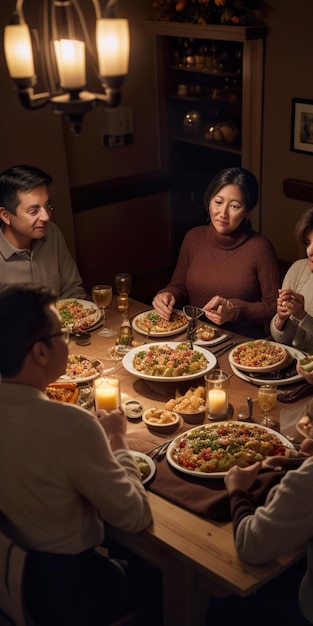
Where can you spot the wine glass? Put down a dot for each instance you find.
(122, 304)
(102, 296)
(123, 283)
(267, 395)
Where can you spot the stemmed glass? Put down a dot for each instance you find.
(123, 283)
(267, 395)
(102, 296)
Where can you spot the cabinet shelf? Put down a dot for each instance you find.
(195, 65)
(210, 145)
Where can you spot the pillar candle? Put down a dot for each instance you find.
(107, 394)
(217, 401)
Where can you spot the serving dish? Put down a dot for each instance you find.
(79, 315)
(129, 357)
(223, 430)
(161, 420)
(154, 318)
(265, 356)
(81, 369)
(62, 392)
(151, 463)
(284, 376)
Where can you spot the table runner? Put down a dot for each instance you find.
(207, 497)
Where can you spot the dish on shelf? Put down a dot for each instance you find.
(284, 376)
(258, 356)
(81, 369)
(191, 452)
(146, 465)
(159, 326)
(195, 362)
(79, 315)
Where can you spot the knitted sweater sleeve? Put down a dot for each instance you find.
(282, 525)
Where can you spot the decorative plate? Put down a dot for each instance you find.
(78, 314)
(160, 327)
(81, 369)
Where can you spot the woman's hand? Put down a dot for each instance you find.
(241, 477)
(164, 303)
(219, 310)
(290, 303)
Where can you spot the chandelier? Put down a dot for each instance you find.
(60, 54)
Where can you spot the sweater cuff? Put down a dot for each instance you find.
(241, 506)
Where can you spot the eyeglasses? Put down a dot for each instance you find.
(61, 333)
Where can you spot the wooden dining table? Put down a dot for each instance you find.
(196, 555)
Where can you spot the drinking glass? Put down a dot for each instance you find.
(102, 296)
(122, 304)
(267, 395)
(123, 283)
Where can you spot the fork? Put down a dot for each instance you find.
(147, 336)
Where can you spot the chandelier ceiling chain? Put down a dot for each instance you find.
(65, 39)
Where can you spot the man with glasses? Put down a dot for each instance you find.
(32, 248)
(64, 473)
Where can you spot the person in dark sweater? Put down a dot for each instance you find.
(226, 267)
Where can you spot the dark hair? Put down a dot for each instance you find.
(304, 223)
(245, 180)
(23, 320)
(19, 178)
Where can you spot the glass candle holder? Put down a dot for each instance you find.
(107, 393)
(217, 392)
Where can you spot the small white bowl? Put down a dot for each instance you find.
(155, 422)
(197, 417)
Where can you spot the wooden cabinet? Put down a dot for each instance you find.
(210, 84)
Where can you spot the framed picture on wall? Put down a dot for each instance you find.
(301, 126)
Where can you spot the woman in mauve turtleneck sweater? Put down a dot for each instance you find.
(225, 267)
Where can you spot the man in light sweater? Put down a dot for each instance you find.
(64, 472)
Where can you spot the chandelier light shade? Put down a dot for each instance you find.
(66, 41)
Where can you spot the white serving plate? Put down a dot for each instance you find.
(150, 462)
(85, 379)
(153, 333)
(259, 380)
(267, 368)
(90, 306)
(285, 442)
(128, 363)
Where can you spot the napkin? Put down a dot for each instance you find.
(206, 496)
(297, 392)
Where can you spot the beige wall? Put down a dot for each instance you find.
(288, 74)
(41, 138)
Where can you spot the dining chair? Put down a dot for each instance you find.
(12, 563)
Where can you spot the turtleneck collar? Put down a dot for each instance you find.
(234, 239)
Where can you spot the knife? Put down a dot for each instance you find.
(219, 353)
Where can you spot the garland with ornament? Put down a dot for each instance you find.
(227, 12)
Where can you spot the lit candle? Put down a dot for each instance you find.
(71, 63)
(107, 393)
(217, 401)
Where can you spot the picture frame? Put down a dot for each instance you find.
(301, 139)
